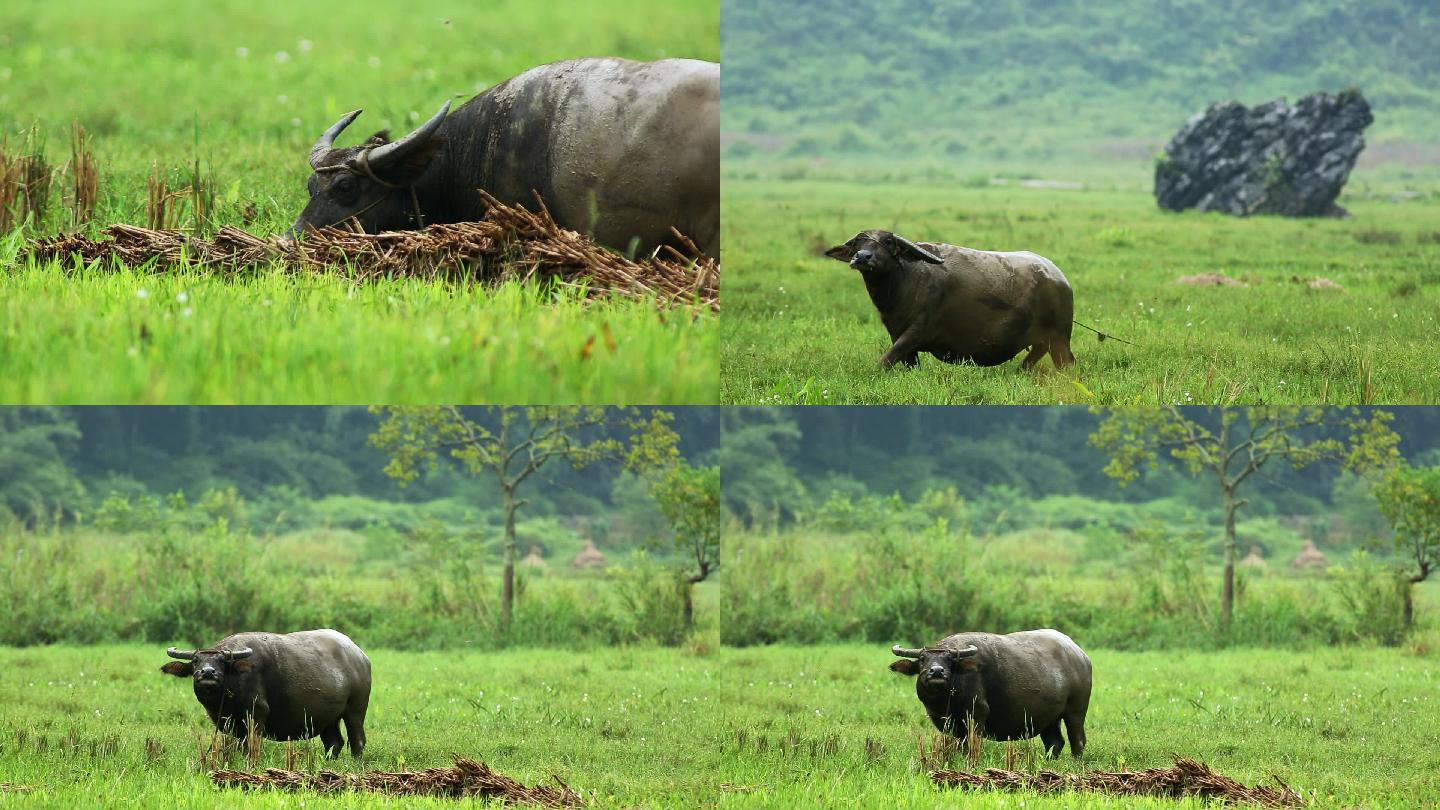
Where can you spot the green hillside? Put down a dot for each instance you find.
(966, 80)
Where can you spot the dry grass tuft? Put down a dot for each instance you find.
(84, 182)
(466, 779)
(24, 183)
(1186, 778)
(510, 243)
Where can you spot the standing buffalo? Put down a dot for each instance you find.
(1013, 686)
(617, 149)
(962, 305)
(292, 686)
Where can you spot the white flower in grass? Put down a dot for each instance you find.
(242, 52)
(182, 296)
(142, 294)
(374, 61)
(187, 312)
(306, 45)
(282, 56)
(294, 122)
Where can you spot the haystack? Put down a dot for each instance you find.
(534, 560)
(1187, 778)
(510, 244)
(1310, 558)
(465, 779)
(589, 557)
(1254, 559)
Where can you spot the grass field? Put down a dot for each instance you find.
(800, 329)
(778, 727)
(626, 726)
(242, 93)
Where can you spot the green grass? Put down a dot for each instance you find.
(663, 728)
(133, 337)
(1352, 726)
(626, 726)
(244, 91)
(800, 329)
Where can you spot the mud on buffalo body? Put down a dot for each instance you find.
(622, 151)
(290, 687)
(1012, 686)
(962, 305)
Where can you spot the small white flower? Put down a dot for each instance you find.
(374, 61)
(282, 99)
(182, 297)
(187, 312)
(306, 45)
(282, 56)
(243, 53)
(294, 122)
(142, 294)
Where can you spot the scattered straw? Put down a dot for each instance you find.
(1210, 280)
(510, 243)
(1186, 778)
(7, 787)
(467, 778)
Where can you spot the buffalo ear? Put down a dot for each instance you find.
(905, 666)
(842, 253)
(180, 669)
(243, 665)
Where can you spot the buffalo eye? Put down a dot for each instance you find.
(344, 186)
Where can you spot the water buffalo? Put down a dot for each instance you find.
(1014, 686)
(292, 686)
(617, 149)
(962, 305)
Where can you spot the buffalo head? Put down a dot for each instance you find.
(935, 667)
(880, 251)
(209, 668)
(370, 183)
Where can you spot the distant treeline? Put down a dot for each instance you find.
(301, 466)
(782, 463)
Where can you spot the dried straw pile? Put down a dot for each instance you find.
(510, 243)
(466, 779)
(1186, 778)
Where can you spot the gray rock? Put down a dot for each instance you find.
(1266, 159)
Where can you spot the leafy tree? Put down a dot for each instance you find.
(1409, 498)
(1233, 444)
(688, 497)
(512, 446)
(759, 481)
(35, 477)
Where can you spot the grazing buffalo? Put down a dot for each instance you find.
(618, 150)
(292, 686)
(962, 305)
(1013, 686)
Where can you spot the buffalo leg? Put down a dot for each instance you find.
(355, 729)
(1075, 729)
(1036, 352)
(331, 738)
(903, 350)
(1060, 354)
(1052, 738)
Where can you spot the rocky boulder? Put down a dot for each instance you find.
(1266, 159)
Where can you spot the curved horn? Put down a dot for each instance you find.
(380, 156)
(967, 652)
(917, 250)
(183, 655)
(327, 139)
(904, 653)
(243, 652)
